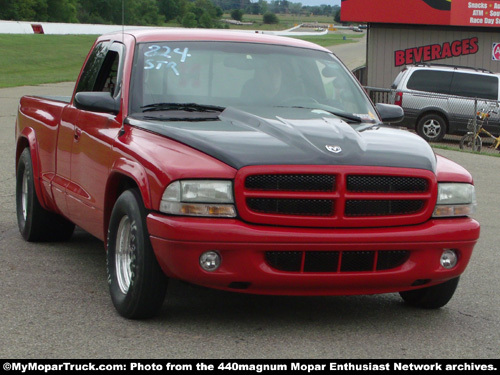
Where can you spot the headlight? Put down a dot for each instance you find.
(213, 198)
(455, 199)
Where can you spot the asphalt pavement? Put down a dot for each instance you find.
(54, 300)
(353, 55)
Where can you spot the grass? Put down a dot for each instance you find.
(329, 40)
(37, 59)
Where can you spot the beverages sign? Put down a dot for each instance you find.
(433, 52)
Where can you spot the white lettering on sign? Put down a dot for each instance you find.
(478, 6)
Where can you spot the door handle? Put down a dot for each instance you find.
(78, 133)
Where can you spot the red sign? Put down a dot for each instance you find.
(475, 13)
(495, 54)
(37, 28)
(435, 12)
(426, 12)
(436, 52)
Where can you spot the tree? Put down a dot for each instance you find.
(172, 9)
(8, 10)
(336, 14)
(189, 20)
(62, 10)
(264, 6)
(143, 12)
(295, 8)
(237, 14)
(205, 21)
(254, 8)
(101, 11)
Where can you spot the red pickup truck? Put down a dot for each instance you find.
(243, 162)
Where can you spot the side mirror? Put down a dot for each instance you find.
(97, 102)
(390, 113)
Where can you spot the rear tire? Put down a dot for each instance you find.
(468, 142)
(137, 284)
(36, 223)
(432, 127)
(432, 297)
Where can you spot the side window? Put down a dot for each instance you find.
(475, 85)
(398, 79)
(108, 75)
(430, 81)
(91, 70)
(103, 70)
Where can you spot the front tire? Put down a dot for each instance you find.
(432, 127)
(468, 142)
(36, 223)
(432, 297)
(136, 282)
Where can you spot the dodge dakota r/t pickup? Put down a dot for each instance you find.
(243, 162)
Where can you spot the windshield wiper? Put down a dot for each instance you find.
(348, 116)
(187, 107)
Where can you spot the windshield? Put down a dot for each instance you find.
(223, 74)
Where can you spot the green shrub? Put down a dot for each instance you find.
(269, 18)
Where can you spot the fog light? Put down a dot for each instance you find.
(210, 261)
(449, 259)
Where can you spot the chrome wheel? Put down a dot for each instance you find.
(431, 128)
(124, 253)
(25, 194)
(136, 281)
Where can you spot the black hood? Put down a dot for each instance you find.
(277, 136)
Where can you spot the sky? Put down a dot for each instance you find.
(316, 2)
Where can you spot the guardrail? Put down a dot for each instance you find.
(379, 95)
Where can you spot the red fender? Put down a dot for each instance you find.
(29, 135)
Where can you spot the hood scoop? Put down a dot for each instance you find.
(292, 136)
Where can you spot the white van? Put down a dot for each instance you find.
(440, 99)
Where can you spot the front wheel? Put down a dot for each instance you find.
(469, 142)
(136, 282)
(432, 297)
(432, 128)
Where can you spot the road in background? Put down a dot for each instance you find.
(54, 300)
(353, 55)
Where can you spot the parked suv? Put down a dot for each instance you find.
(439, 99)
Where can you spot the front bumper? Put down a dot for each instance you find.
(178, 243)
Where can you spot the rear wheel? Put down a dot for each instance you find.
(468, 142)
(136, 282)
(432, 297)
(36, 223)
(432, 127)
